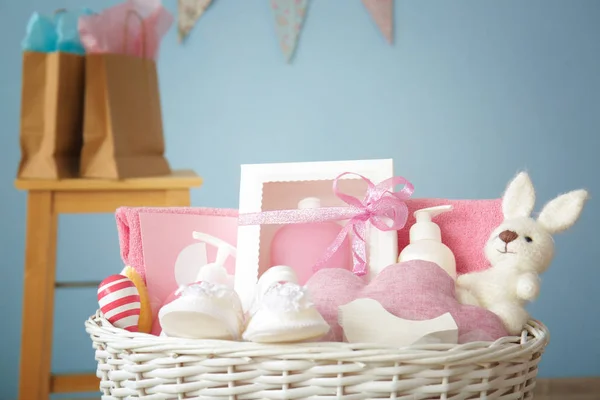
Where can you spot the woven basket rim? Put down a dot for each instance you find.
(534, 338)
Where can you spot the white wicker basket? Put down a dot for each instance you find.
(141, 366)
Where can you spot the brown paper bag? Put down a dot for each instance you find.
(51, 115)
(123, 131)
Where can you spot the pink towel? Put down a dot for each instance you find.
(130, 235)
(465, 229)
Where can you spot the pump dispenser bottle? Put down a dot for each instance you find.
(426, 241)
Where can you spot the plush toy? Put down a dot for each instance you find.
(518, 251)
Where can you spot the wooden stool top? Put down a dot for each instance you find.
(182, 179)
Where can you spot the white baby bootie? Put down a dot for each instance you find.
(208, 308)
(282, 311)
(203, 310)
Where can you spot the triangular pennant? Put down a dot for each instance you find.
(382, 12)
(289, 18)
(189, 13)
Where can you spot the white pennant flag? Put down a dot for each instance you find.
(190, 12)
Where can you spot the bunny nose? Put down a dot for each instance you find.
(508, 236)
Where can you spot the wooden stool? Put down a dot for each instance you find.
(47, 199)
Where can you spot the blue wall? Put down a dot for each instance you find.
(471, 92)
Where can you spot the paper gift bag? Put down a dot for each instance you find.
(123, 136)
(51, 115)
(123, 130)
(51, 97)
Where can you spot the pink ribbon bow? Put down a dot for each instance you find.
(383, 208)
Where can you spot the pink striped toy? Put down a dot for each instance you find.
(119, 301)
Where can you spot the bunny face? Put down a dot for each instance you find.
(525, 243)
(522, 243)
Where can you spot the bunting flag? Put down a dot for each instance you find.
(289, 18)
(382, 12)
(189, 13)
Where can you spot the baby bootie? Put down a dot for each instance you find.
(202, 310)
(208, 308)
(282, 311)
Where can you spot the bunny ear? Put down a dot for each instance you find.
(519, 197)
(561, 213)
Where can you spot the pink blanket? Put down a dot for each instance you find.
(465, 229)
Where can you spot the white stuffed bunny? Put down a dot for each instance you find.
(519, 250)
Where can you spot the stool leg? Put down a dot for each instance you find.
(38, 297)
(46, 370)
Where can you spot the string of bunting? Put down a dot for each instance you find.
(289, 18)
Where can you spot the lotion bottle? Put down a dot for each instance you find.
(426, 241)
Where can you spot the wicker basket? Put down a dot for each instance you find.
(141, 366)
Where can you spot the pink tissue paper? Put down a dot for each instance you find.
(134, 27)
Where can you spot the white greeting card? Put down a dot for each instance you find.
(271, 187)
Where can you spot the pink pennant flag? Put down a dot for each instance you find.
(289, 17)
(382, 12)
(190, 12)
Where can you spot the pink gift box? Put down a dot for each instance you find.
(156, 241)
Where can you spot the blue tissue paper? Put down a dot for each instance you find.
(54, 33)
(41, 34)
(67, 32)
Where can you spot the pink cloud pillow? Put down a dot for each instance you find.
(414, 290)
